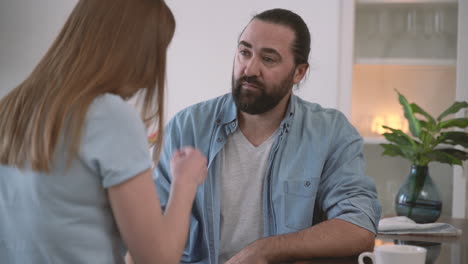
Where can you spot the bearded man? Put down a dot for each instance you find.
(285, 177)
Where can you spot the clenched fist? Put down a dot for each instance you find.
(188, 166)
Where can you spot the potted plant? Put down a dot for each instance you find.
(430, 139)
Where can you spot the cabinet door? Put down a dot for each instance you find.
(460, 183)
(417, 47)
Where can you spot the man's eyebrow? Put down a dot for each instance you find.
(271, 50)
(265, 50)
(245, 43)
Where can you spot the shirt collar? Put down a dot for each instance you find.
(228, 112)
(288, 117)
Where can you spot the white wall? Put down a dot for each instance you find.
(27, 29)
(201, 54)
(202, 51)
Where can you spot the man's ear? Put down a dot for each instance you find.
(300, 72)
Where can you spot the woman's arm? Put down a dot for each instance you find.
(153, 237)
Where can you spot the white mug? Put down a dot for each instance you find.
(395, 254)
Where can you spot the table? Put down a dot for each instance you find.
(440, 250)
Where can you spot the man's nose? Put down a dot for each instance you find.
(252, 68)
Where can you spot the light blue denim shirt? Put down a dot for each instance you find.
(315, 172)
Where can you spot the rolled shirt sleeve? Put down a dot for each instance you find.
(346, 192)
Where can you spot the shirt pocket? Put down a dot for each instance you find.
(299, 200)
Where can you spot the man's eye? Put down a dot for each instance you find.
(244, 53)
(269, 60)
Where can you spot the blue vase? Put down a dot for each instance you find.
(418, 197)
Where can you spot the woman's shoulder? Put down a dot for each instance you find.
(110, 106)
(110, 103)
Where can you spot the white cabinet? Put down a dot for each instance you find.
(417, 47)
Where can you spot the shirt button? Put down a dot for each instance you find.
(219, 139)
(307, 184)
(233, 124)
(218, 121)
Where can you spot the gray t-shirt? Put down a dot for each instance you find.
(242, 171)
(64, 216)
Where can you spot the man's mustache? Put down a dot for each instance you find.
(253, 80)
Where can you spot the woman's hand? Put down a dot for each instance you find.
(188, 166)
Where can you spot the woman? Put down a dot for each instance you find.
(75, 179)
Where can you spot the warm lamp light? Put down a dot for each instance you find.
(377, 123)
(393, 121)
(380, 242)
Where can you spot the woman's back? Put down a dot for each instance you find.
(64, 216)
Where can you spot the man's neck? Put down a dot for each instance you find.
(258, 128)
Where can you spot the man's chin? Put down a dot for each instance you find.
(250, 93)
(247, 99)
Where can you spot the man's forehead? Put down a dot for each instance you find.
(260, 34)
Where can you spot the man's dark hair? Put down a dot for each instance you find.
(301, 45)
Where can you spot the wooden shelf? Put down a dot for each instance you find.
(405, 61)
(407, 1)
(374, 140)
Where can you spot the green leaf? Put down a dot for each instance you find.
(392, 150)
(402, 139)
(425, 124)
(455, 107)
(396, 150)
(414, 125)
(443, 157)
(397, 139)
(457, 122)
(454, 138)
(459, 154)
(418, 110)
(426, 138)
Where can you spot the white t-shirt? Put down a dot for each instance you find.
(242, 172)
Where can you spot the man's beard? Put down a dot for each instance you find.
(260, 101)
